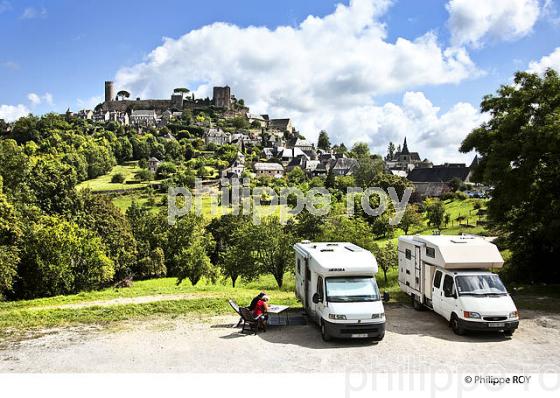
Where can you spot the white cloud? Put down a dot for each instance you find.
(324, 73)
(13, 112)
(472, 22)
(548, 61)
(435, 135)
(342, 58)
(37, 99)
(34, 13)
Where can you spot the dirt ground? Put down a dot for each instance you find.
(414, 342)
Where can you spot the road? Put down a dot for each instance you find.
(414, 342)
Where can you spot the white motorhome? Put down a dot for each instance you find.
(451, 275)
(335, 281)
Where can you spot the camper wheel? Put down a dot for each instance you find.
(324, 334)
(417, 305)
(455, 325)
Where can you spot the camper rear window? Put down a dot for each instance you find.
(430, 252)
(408, 254)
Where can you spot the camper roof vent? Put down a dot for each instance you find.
(353, 248)
(327, 250)
(332, 244)
(458, 241)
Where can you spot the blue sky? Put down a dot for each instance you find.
(63, 50)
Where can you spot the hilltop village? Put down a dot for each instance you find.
(267, 146)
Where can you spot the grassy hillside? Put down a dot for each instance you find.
(103, 183)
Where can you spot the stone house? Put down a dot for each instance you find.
(145, 118)
(153, 164)
(217, 136)
(268, 169)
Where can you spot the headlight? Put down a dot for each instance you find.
(514, 314)
(472, 315)
(337, 316)
(378, 316)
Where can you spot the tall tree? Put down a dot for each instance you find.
(271, 247)
(390, 151)
(435, 211)
(520, 157)
(411, 218)
(386, 257)
(323, 142)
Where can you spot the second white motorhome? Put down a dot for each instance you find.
(335, 281)
(451, 275)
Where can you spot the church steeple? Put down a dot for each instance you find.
(404, 150)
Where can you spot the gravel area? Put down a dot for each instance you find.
(414, 342)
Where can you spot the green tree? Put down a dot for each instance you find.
(61, 258)
(323, 142)
(99, 214)
(271, 247)
(296, 176)
(391, 151)
(520, 157)
(386, 257)
(360, 149)
(192, 261)
(367, 171)
(10, 233)
(435, 212)
(411, 218)
(54, 184)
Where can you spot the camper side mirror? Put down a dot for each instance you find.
(316, 298)
(449, 293)
(386, 297)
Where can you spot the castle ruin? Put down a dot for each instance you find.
(222, 99)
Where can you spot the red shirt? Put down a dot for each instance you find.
(259, 308)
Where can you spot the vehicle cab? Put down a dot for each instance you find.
(473, 300)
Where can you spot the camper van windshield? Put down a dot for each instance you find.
(352, 289)
(480, 285)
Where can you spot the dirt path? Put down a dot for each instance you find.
(131, 300)
(414, 342)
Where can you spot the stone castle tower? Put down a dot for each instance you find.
(109, 91)
(222, 97)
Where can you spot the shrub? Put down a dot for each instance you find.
(461, 195)
(145, 175)
(118, 178)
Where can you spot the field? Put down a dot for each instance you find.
(165, 298)
(103, 183)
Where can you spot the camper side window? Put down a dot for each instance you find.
(298, 267)
(320, 286)
(448, 284)
(430, 252)
(437, 279)
(408, 254)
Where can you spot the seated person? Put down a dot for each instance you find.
(260, 312)
(255, 300)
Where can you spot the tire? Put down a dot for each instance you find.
(457, 329)
(324, 334)
(417, 305)
(379, 338)
(509, 333)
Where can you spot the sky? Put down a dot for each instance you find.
(370, 71)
